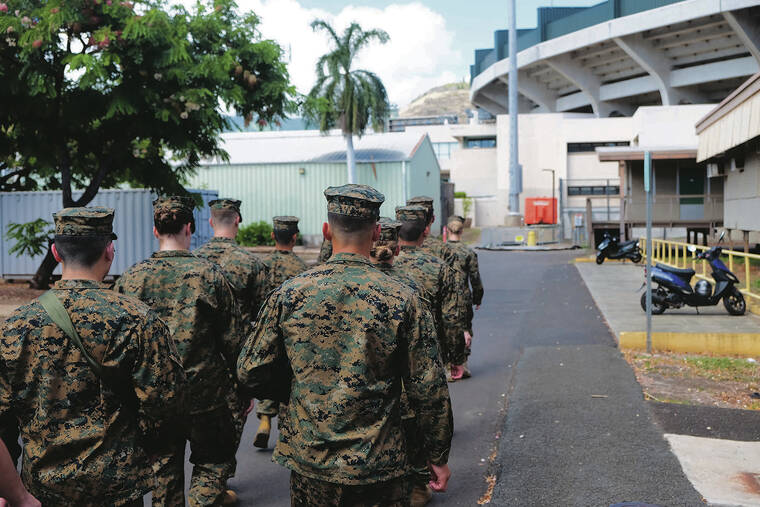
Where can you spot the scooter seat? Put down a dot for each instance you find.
(628, 243)
(676, 271)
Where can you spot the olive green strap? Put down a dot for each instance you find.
(60, 316)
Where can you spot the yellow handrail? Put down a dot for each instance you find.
(667, 252)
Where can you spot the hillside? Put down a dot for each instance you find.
(446, 99)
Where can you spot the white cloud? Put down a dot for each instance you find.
(420, 54)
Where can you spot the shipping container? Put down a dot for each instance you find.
(133, 224)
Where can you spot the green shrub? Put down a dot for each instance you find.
(256, 234)
(30, 239)
(460, 195)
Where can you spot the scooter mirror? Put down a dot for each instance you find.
(692, 248)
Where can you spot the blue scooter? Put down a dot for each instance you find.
(674, 288)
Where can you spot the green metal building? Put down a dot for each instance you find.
(285, 173)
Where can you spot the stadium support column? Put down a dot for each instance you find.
(515, 171)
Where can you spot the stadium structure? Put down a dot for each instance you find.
(615, 56)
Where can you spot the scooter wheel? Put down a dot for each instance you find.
(734, 302)
(636, 258)
(599, 258)
(657, 309)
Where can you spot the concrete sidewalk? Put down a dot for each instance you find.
(615, 289)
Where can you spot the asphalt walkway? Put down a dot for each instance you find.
(577, 431)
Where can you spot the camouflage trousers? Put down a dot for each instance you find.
(307, 492)
(420, 473)
(212, 448)
(267, 407)
(237, 408)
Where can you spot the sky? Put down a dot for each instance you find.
(432, 42)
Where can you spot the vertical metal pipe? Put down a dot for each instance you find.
(648, 189)
(514, 168)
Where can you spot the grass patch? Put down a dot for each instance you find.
(724, 368)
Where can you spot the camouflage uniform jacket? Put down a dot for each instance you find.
(81, 446)
(195, 300)
(246, 273)
(441, 283)
(468, 260)
(337, 342)
(397, 274)
(435, 245)
(325, 251)
(283, 265)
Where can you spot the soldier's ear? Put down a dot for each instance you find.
(376, 233)
(272, 234)
(155, 232)
(211, 222)
(326, 232)
(56, 255)
(110, 252)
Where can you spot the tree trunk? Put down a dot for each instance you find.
(44, 274)
(350, 157)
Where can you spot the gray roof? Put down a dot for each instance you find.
(311, 146)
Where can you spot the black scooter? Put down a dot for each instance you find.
(609, 248)
(674, 288)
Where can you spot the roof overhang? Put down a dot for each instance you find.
(623, 153)
(732, 123)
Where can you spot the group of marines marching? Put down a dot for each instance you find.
(107, 386)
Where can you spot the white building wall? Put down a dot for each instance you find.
(742, 196)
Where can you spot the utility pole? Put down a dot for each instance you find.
(515, 171)
(648, 190)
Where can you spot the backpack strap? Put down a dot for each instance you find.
(60, 316)
(110, 376)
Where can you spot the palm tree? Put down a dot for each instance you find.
(351, 99)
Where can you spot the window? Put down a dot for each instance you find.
(593, 190)
(443, 151)
(479, 142)
(587, 147)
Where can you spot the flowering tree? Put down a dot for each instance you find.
(98, 93)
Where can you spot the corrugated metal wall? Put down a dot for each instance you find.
(425, 179)
(133, 224)
(268, 190)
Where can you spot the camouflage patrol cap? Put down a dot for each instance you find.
(226, 204)
(389, 229)
(174, 209)
(411, 213)
(84, 222)
(455, 224)
(287, 223)
(361, 201)
(424, 201)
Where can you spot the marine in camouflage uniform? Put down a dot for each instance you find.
(283, 264)
(193, 297)
(84, 443)
(440, 282)
(383, 252)
(434, 244)
(249, 279)
(336, 343)
(468, 260)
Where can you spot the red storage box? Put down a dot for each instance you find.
(540, 210)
